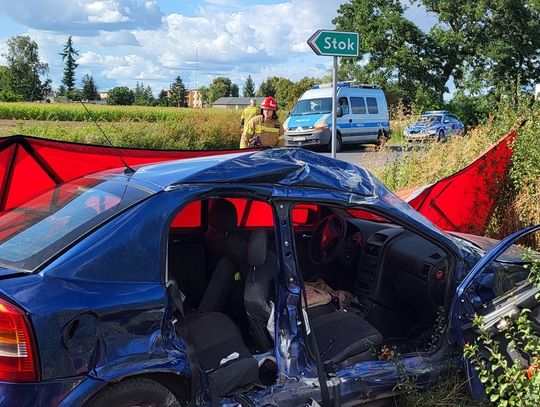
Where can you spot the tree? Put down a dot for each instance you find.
(249, 87)
(163, 98)
(178, 93)
(68, 56)
(6, 93)
(120, 95)
(24, 68)
(266, 88)
(481, 45)
(203, 90)
(234, 90)
(499, 42)
(278, 87)
(220, 87)
(143, 95)
(89, 89)
(399, 53)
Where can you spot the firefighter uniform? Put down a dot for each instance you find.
(248, 113)
(259, 132)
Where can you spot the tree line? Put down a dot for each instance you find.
(490, 50)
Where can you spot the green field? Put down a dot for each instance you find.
(129, 126)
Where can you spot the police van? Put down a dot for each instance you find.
(362, 117)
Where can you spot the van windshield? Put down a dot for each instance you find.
(312, 106)
(35, 231)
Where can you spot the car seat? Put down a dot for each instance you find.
(229, 252)
(342, 337)
(221, 353)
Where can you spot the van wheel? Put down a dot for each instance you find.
(339, 144)
(137, 391)
(381, 139)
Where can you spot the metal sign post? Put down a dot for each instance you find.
(335, 44)
(334, 107)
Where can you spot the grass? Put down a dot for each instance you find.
(449, 392)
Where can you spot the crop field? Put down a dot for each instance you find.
(129, 126)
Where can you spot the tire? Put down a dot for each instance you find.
(381, 139)
(441, 136)
(339, 144)
(137, 391)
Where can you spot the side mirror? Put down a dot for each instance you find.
(288, 113)
(339, 111)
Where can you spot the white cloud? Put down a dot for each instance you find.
(120, 41)
(83, 16)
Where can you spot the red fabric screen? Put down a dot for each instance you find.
(464, 201)
(29, 166)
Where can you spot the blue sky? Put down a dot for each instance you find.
(122, 42)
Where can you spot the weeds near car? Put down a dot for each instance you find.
(509, 383)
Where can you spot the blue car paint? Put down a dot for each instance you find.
(113, 280)
(462, 306)
(305, 121)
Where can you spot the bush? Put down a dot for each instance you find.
(506, 382)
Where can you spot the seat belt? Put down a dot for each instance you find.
(321, 372)
(178, 299)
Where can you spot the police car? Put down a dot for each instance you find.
(436, 125)
(362, 116)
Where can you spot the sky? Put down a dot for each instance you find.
(122, 42)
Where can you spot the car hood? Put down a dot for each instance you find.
(483, 243)
(303, 121)
(419, 126)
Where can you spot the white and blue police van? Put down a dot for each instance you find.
(362, 117)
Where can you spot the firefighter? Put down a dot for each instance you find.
(249, 112)
(264, 130)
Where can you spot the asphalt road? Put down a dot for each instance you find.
(369, 157)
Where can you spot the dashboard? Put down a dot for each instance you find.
(394, 267)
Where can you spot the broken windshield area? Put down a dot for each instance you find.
(35, 231)
(312, 106)
(430, 119)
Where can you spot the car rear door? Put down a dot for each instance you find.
(498, 288)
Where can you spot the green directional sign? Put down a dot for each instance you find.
(334, 43)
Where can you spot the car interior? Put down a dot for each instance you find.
(371, 286)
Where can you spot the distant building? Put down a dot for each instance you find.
(194, 98)
(537, 91)
(103, 95)
(234, 102)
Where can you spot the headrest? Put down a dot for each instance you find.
(256, 251)
(222, 215)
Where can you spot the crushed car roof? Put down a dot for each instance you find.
(284, 166)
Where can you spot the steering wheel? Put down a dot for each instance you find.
(327, 239)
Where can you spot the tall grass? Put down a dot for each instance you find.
(105, 113)
(145, 127)
(519, 200)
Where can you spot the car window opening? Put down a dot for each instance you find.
(383, 283)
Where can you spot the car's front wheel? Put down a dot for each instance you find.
(137, 391)
(441, 136)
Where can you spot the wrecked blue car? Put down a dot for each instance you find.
(436, 125)
(270, 278)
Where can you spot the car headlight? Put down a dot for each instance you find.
(321, 124)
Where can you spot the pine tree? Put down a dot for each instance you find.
(249, 88)
(89, 88)
(68, 56)
(143, 95)
(178, 93)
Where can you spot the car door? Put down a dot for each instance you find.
(498, 288)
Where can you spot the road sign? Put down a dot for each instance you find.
(334, 43)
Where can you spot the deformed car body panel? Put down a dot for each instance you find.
(114, 279)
